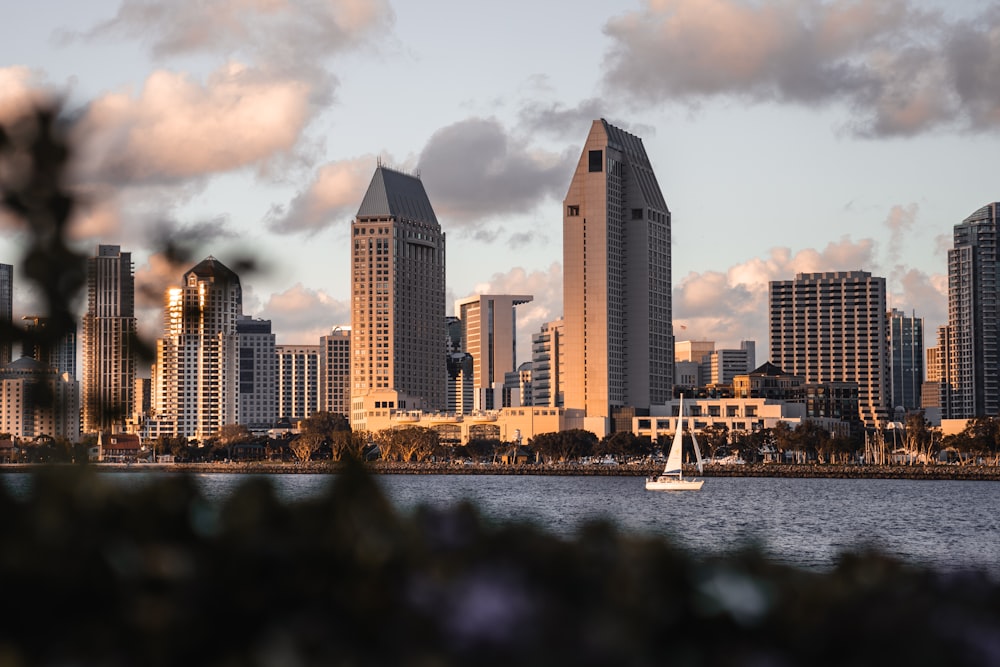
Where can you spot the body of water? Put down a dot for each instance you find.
(948, 525)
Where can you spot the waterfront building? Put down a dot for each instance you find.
(397, 297)
(548, 364)
(517, 388)
(109, 341)
(196, 375)
(298, 381)
(831, 327)
(616, 283)
(770, 382)
(737, 415)
(461, 393)
(906, 358)
(335, 371)
(36, 401)
(972, 382)
(258, 397)
(6, 311)
(489, 334)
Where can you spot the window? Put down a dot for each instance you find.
(596, 159)
(572, 211)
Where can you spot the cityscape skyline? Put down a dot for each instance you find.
(821, 170)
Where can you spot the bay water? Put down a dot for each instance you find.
(807, 523)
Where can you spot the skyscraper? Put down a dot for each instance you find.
(196, 376)
(906, 356)
(548, 365)
(6, 312)
(616, 282)
(972, 386)
(298, 381)
(335, 371)
(109, 328)
(831, 327)
(258, 374)
(489, 334)
(398, 296)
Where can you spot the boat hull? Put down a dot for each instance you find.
(673, 484)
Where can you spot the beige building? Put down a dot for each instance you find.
(616, 283)
(298, 380)
(36, 401)
(196, 376)
(737, 414)
(548, 362)
(398, 333)
(489, 334)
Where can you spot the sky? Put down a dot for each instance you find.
(786, 136)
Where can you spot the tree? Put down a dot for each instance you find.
(564, 445)
(305, 445)
(714, 438)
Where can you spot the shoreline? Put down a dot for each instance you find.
(786, 470)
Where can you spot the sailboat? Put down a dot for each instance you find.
(671, 479)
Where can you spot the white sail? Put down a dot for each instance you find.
(674, 460)
(697, 451)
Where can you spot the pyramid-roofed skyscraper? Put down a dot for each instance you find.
(397, 296)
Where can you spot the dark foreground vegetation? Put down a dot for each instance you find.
(102, 574)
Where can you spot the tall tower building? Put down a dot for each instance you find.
(906, 357)
(831, 327)
(6, 312)
(196, 376)
(972, 387)
(298, 381)
(335, 371)
(398, 339)
(258, 374)
(59, 353)
(489, 334)
(547, 365)
(616, 282)
(109, 330)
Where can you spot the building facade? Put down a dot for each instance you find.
(616, 282)
(56, 349)
(258, 398)
(298, 381)
(489, 334)
(398, 295)
(109, 340)
(831, 327)
(972, 385)
(547, 365)
(6, 311)
(36, 401)
(196, 376)
(906, 357)
(335, 371)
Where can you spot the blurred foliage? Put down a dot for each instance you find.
(103, 573)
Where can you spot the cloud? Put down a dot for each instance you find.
(300, 315)
(898, 69)
(546, 288)
(926, 295)
(899, 221)
(21, 92)
(334, 195)
(475, 170)
(178, 128)
(287, 33)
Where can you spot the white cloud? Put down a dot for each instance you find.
(333, 197)
(896, 68)
(300, 315)
(178, 128)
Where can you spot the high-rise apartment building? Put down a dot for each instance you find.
(398, 336)
(489, 334)
(723, 365)
(335, 371)
(547, 364)
(196, 376)
(258, 398)
(298, 381)
(906, 359)
(831, 327)
(6, 312)
(616, 282)
(35, 400)
(57, 351)
(972, 385)
(109, 339)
